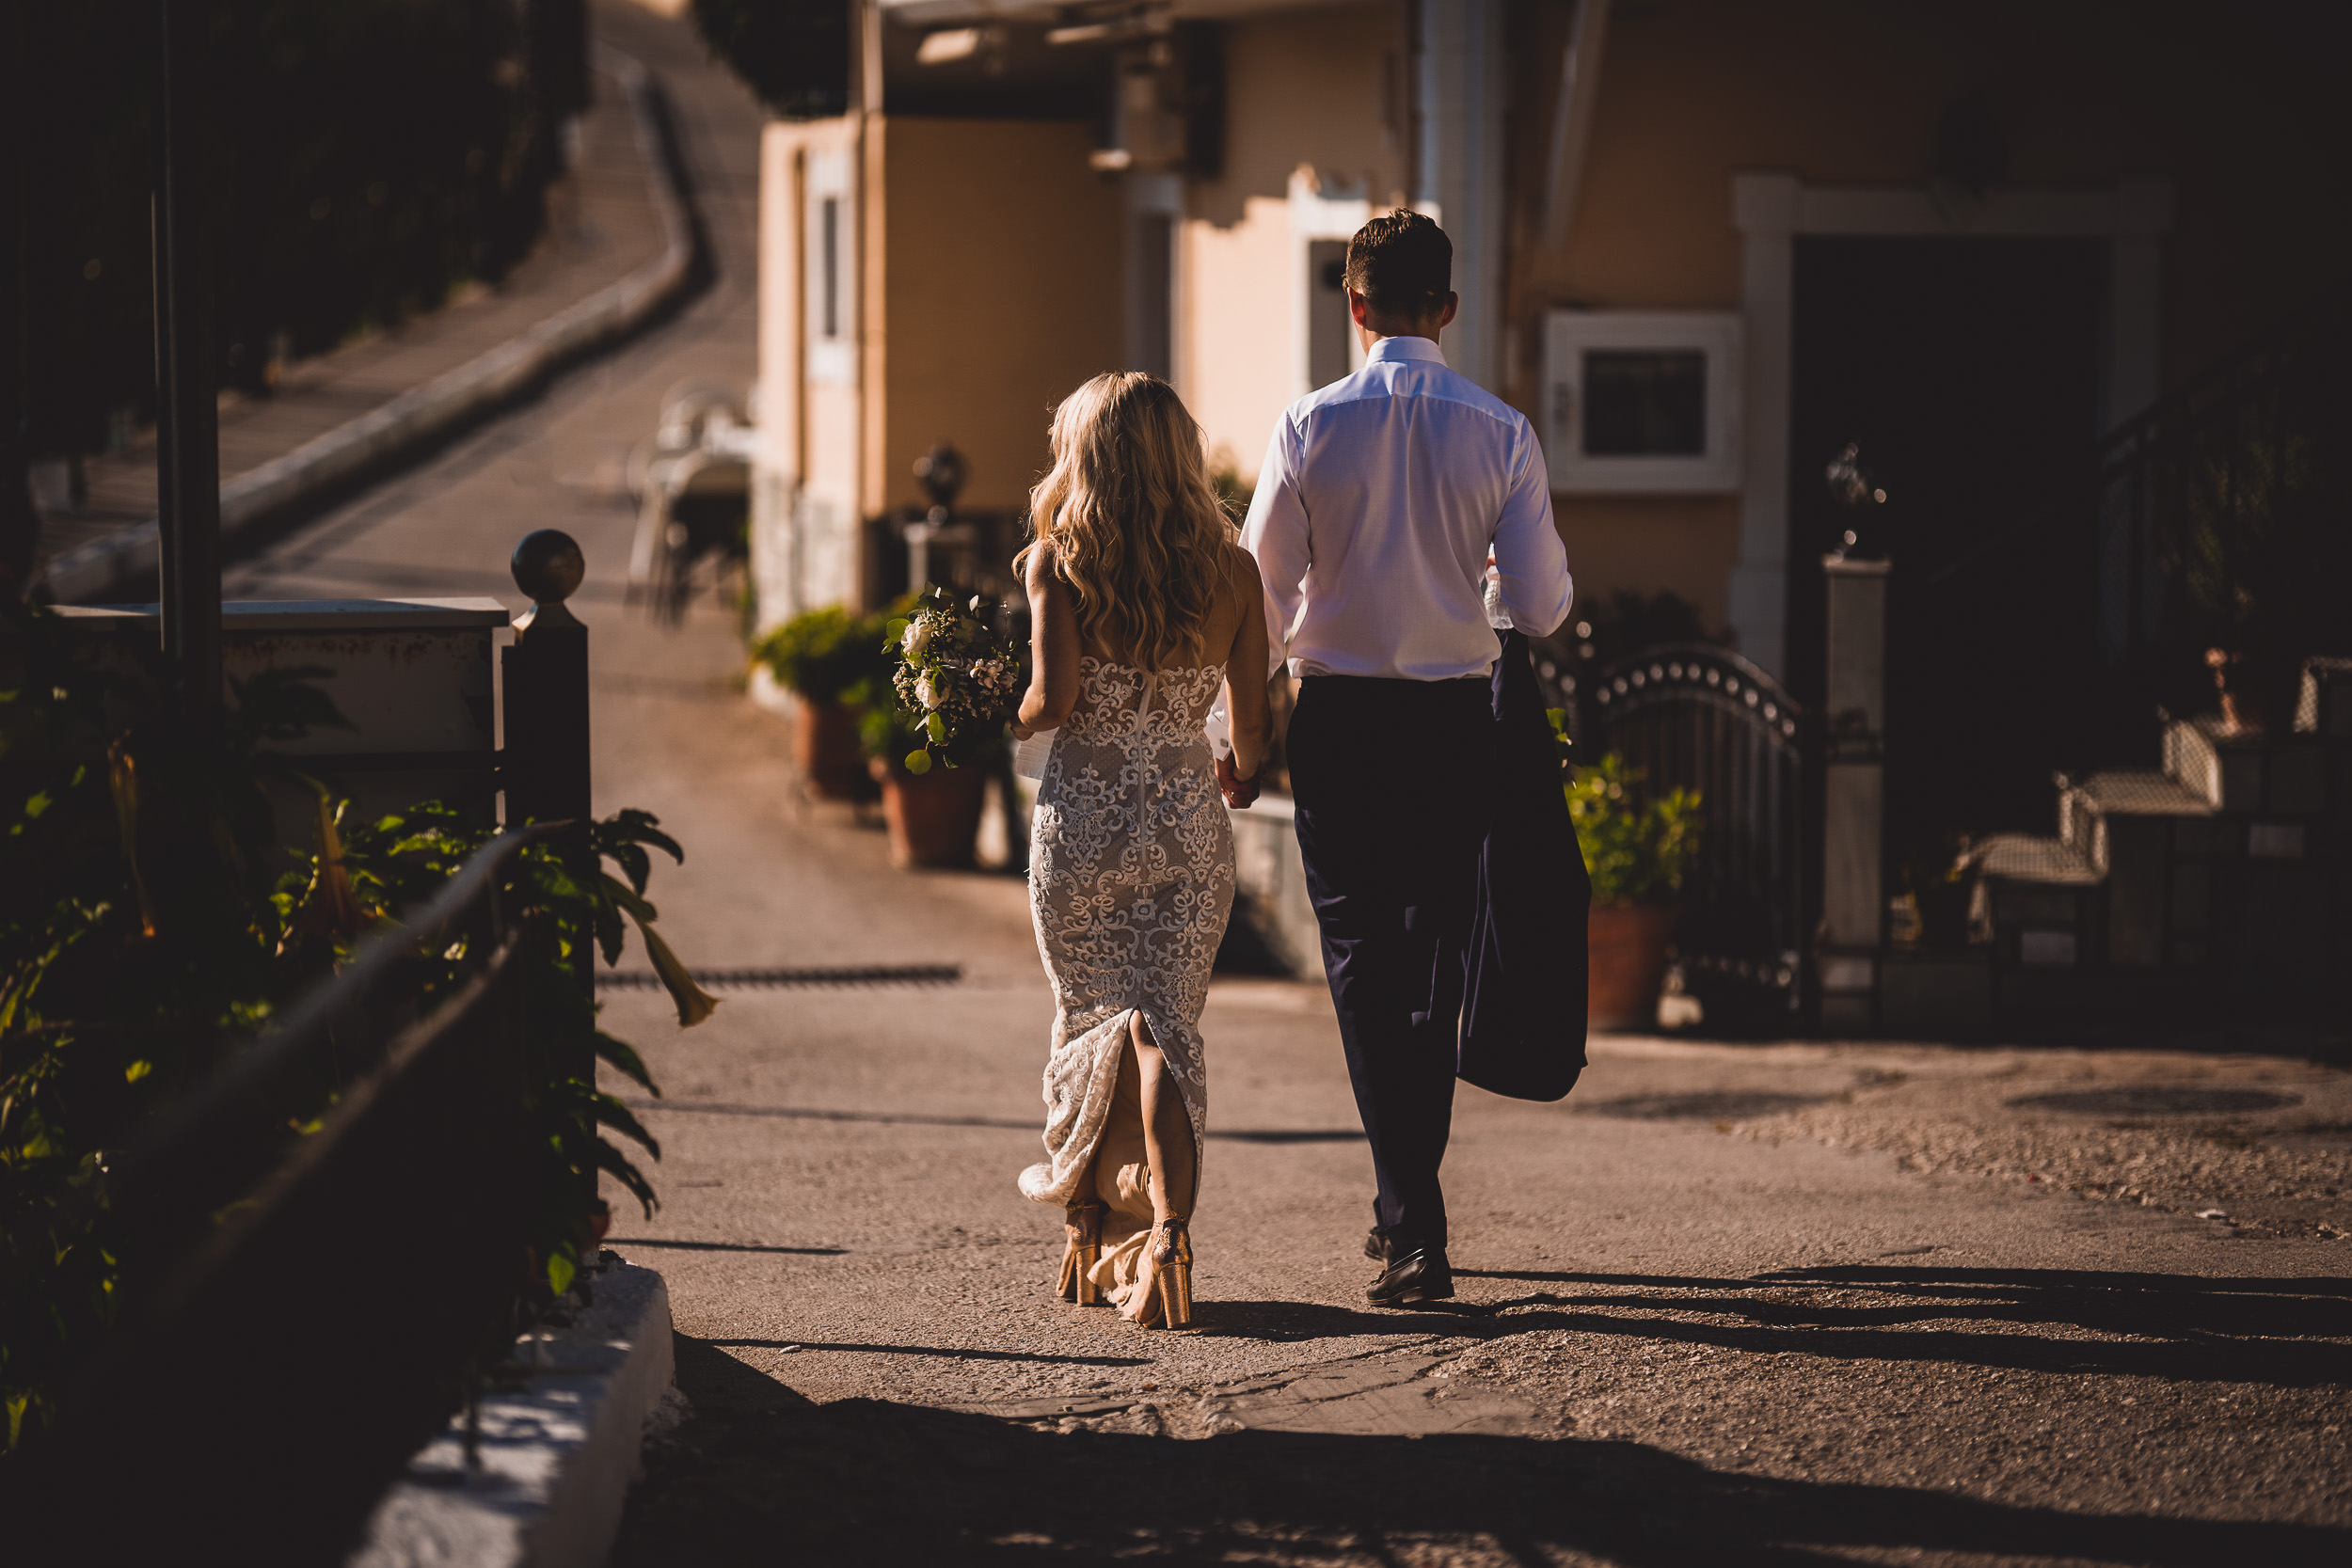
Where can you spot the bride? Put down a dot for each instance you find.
(1141, 597)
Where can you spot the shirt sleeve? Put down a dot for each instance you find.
(1531, 563)
(1276, 533)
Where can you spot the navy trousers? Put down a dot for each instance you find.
(1394, 782)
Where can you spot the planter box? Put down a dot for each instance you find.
(1626, 947)
(1271, 881)
(933, 818)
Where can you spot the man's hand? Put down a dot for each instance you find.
(1239, 792)
(1021, 731)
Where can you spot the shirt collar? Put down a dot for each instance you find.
(1404, 348)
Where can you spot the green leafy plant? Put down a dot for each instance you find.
(824, 655)
(144, 936)
(1636, 851)
(398, 861)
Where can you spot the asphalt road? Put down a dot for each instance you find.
(1729, 1304)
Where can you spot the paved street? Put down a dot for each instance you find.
(1783, 1303)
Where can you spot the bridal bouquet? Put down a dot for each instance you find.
(957, 680)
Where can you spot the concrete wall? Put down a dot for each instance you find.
(1326, 88)
(807, 485)
(982, 267)
(998, 257)
(1000, 270)
(1839, 93)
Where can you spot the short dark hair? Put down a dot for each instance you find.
(1401, 264)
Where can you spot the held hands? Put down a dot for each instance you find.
(1239, 792)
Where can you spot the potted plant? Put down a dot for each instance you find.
(934, 816)
(826, 658)
(1637, 853)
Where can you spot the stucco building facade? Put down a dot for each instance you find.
(1696, 240)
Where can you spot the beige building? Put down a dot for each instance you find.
(1703, 244)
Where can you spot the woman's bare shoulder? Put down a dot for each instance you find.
(1037, 565)
(1241, 569)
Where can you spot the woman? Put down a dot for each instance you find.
(1141, 597)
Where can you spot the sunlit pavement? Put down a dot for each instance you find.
(1727, 1304)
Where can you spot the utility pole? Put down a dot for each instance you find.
(19, 535)
(187, 433)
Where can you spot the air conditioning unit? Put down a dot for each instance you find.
(1641, 401)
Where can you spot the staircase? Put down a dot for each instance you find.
(2221, 879)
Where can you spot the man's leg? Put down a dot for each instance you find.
(1390, 813)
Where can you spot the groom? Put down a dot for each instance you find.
(1381, 500)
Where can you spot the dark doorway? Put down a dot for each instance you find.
(1965, 375)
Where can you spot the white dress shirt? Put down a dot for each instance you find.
(1381, 497)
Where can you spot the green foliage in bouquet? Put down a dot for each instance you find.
(1635, 851)
(957, 682)
(824, 655)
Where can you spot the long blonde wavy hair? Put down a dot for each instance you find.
(1137, 530)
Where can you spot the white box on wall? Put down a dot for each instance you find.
(1642, 401)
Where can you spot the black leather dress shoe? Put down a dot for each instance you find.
(1419, 1276)
(1375, 1246)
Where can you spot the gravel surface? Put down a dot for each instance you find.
(2260, 1143)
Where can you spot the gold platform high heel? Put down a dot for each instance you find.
(1169, 1255)
(1084, 1221)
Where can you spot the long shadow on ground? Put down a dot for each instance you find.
(760, 1474)
(2288, 1332)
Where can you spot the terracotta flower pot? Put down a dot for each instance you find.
(934, 817)
(1626, 947)
(825, 750)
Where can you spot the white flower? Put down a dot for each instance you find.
(918, 637)
(926, 692)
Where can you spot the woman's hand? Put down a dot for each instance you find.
(1240, 793)
(1022, 732)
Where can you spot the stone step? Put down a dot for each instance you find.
(2031, 860)
(2038, 901)
(2087, 809)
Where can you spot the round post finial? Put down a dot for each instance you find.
(549, 566)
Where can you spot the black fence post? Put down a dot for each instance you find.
(546, 775)
(187, 444)
(545, 771)
(19, 525)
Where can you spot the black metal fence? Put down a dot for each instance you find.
(1696, 717)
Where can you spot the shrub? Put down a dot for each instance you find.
(822, 655)
(1636, 851)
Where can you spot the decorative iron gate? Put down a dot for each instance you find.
(1700, 717)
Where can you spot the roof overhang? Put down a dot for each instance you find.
(950, 13)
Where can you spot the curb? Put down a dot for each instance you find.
(556, 1455)
(422, 416)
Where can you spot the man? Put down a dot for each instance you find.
(1381, 500)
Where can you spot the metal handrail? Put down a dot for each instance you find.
(265, 1069)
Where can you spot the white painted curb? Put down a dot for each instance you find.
(557, 1454)
(423, 415)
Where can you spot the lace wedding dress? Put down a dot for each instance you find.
(1131, 882)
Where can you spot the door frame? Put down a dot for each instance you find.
(1771, 210)
(1320, 209)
